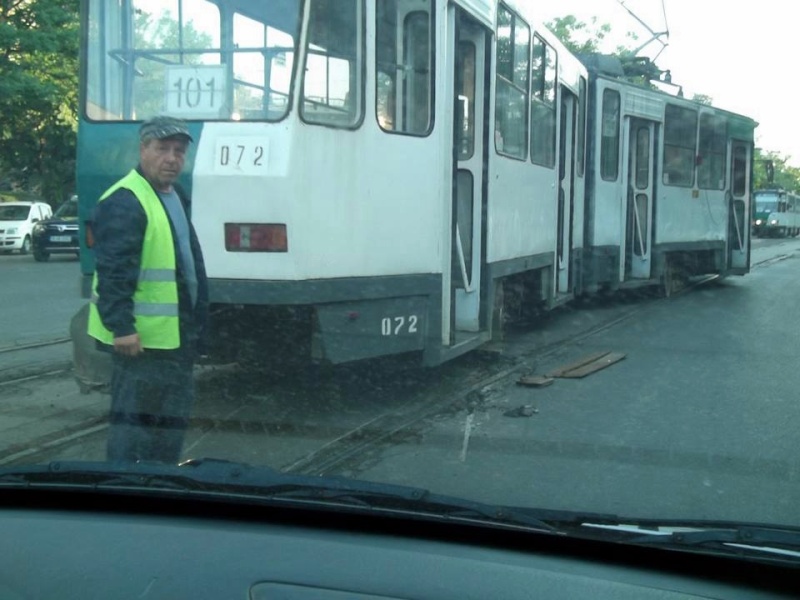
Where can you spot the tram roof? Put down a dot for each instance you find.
(486, 11)
(736, 120)
(280, 14)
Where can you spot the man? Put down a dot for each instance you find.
(150, 300)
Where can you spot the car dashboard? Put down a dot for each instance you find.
(118, 546)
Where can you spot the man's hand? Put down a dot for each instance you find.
(128, 345)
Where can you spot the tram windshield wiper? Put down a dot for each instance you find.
(212, 478)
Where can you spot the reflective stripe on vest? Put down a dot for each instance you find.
(155, 300)
(149, 309)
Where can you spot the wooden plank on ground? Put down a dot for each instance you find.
(600, 363)
(534, 381)
(578, 363)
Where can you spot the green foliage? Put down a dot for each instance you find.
(703, 99)
(579, 37)
(39, 41)
(786, 176)
(588, 38)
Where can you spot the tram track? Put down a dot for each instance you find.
(33, 345)
(30, 361)
(346, 450)
(349, 447)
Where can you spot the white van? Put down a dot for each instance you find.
(16, 224)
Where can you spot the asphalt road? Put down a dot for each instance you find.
(37, 299)
(698, 420)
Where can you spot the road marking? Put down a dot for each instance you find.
(467, 434)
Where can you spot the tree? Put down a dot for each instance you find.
(785, 176)
(579, 37)
(703, 99)
(39, 42)
(586, 38)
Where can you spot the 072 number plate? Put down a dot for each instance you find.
(241, 156)
(403, 325)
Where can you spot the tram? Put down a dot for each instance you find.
(669, 193)
(776, 213)
(380, 177)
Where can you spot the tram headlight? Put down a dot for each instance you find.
(759, 221)
(774, 222)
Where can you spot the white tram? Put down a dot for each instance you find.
(443, 158)
(376, 177)
(669, 190)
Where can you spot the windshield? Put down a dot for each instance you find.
(190, 58)
(14, 213)
(68, 210)
(505, 252)
(766, 202)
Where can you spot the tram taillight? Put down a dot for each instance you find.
(256, 237)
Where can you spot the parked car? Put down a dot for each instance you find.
(17, 220)
(59, 233)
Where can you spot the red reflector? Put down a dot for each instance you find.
(254, 237)
(88, 235)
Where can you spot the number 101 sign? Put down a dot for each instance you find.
(196, 91)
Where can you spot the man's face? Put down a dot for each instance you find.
(162, 161)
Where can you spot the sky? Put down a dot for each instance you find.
(739, 54)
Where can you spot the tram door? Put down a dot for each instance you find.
(739, 210)
(638, 239)
(468, 201)
(566, 190)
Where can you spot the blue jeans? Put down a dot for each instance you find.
(151, 400)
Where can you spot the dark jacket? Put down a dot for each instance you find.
(118, 227)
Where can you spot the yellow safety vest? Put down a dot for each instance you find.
(155, 301)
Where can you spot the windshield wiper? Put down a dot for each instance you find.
(231, 480)
(725, 536)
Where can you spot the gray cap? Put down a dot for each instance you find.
(159, 128)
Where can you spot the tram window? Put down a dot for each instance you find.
(642, 175)
(543, 104)
(462, 235)
(740, 167)
(262, 70)
(465, 101)
(141, 59)
(609, 142)
(513, 58)
(713, 140)
(332, 89)
(581, 126)
(680, 139)
(639, 221)
(404, 90)
(147, 57)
